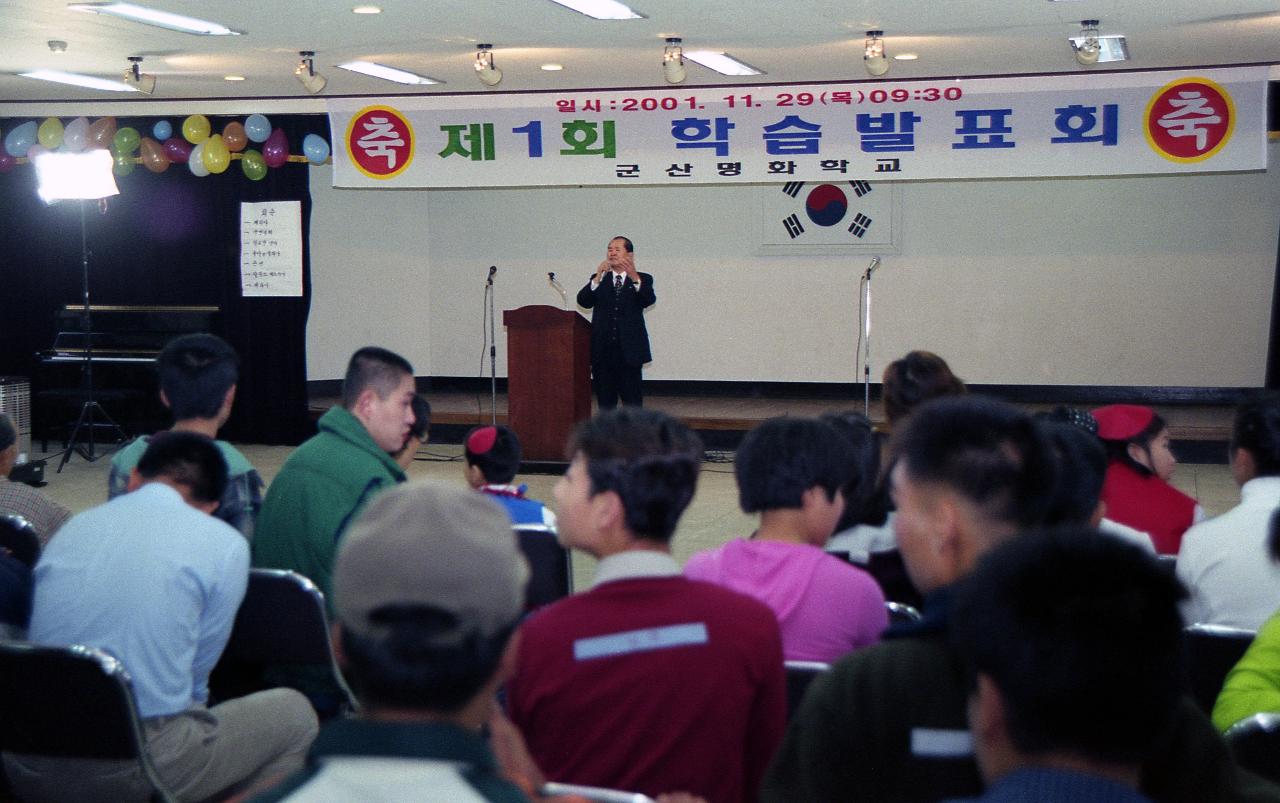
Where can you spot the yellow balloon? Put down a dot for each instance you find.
(216, 156)
(50, 133)
(195, 129)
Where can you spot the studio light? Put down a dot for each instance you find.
(673, 61)
(306, 74)
(136, 78)
(488, 74)
(64, 176)
(1091, 47)
(873, 57)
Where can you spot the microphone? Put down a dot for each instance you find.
(559, 288)
(492, 270)
(875, 263)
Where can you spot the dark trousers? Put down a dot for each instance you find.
(612, 379)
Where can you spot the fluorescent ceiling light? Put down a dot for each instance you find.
(552, 67)
(601, 9)
(233, 77)
(160, 19)
(387, 73)
(76, 79)
(722, 63)
(366, 10)
(905, 57)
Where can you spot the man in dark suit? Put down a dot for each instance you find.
(619, 340)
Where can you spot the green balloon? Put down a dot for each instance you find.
(126, 140)
(122, 164)
(253, 165)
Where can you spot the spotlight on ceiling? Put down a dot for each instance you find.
(306, 74)
(873, 57)
(136, 78)
(1091, 47)
(488, 74)
(673, 61)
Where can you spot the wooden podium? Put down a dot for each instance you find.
(548, 377)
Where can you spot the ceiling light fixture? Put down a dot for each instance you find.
(57, 46)
(552, 67)
(160, 19)
(233, 77)
(722, 62)
(366, 10)
(1091, 48)
(601, 9)
(76, 79)
(673, 60)
(136, 78)
(386, 73)
(873, 57)
(306, 74)
(486, 71)
(906, 56)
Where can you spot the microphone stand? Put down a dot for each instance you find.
(559, 288)
(493, 351)
(866, 336)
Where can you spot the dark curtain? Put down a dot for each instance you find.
(167, 239)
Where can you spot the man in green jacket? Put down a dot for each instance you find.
(328, 479)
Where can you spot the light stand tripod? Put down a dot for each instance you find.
(91, 413)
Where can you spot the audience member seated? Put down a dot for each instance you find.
(915, 379)
(22, 500)
(888, 723)
(198, 375)
(1071, 642)
(1253, 685)
(493, 458)
(793, 471)
(1137, 489)
(648, 681)
(428, 589)
(1223, 561)
(418, 433)
(327, 480)
(155, 580)
(866, 525)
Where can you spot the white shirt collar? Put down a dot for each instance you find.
(635, 563)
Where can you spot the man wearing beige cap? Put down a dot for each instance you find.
(428, 588)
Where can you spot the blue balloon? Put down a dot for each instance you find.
(18, 141)
(257, 127)
(162, 130)
(315, 148)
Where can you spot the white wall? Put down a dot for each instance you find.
(1162, 280)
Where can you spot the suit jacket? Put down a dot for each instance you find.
(628, 312)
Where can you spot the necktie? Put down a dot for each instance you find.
(617, 282)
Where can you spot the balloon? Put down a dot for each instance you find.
(316, 149)
(122, 164)
(76, 135)
(50, 133)
(162, 130)
(178, 150)
(125, 141)
(7, 162)
(275, 151)
(196, 161)
(195, 129)
(253, 166)
(153, 156)
(216, 157)
(235, 137)
(257, 128)
(18, 141)
(101, 132)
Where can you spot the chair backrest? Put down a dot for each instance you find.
(890, 573)
(19, 537)
(1168, 562)
(596, 794)
(281, 621)
(550, 566)
(901, 613)
(1212, 650)
(1255, 743)
(70, 702)
(799, 675)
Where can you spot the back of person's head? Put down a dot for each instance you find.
(1122, 425)
(421, 418)
(1082, 469)
(989, 453)
(1081, 635)
(914, 380)
(376, 368)
(428, 587)
(196, 371)
(495, 451)
(865, 499)
(8, 434)
(1257, 431)
(784, 457)
(188, 459)
(648, 458)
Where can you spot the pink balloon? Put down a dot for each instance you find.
(6, 161)
(275, 151)
(177, 149)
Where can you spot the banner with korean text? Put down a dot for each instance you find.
(1099, 124)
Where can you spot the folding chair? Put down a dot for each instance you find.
(901, 613)
(551, 568)
(18, 536)
(1212, 650)
(799, 675)
(1255, 743)
(74, 702)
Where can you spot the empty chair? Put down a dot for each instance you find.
(799, 675)
(1255, 743)
(551, 569)
(75, 703)
(18, 536)
(1211, 652)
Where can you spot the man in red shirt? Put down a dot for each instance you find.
(647, 681)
